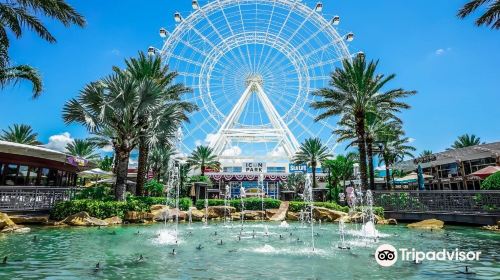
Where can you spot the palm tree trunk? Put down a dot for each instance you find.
(360, 131)
(387, 173)
(121, 173)
(313, 165)
(202, 166)
(142, 167)
(369, 146)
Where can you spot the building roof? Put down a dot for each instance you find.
(452, 155)
(34, 151)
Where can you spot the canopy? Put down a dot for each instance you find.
(411, 178)
(95, 172)
(485, 172)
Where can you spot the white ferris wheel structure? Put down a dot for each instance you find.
(253, 65)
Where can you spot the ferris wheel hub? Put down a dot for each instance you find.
(254, 79)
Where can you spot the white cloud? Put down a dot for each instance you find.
(115, 52)
(58, 142)
(411, 140)
(233, 151)
(198, 143)
(107, 149)
(210, 137)
(442, 51)
(279, 152)
(132, 163)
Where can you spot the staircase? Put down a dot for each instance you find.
(281, 214)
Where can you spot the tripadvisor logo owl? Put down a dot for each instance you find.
(387, 255)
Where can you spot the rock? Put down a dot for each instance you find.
(16, 229)
(5, 221)
(157, 207)
(492, 228)
(236, 216)
(83, 219)
(114, 220)
(253, 215)
(197, 215)
(346, 219)
(292, 216)
(387, 222)
(30, 220)
(427, 224)
(220, 211)
(359, 217)
(271, 212)
(327, 215)
(138, 217)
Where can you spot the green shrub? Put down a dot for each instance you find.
(253, 203)
(492, 182)
(106, 209)
(296, 206)
(98, 192)
(154, 187)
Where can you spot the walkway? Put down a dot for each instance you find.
(281, 214)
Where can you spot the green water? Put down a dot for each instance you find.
(72, 253)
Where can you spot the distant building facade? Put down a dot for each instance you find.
(451, 169)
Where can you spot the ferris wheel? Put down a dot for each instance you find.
(253, 65)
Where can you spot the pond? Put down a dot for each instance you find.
(256, 251)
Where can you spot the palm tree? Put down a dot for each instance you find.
(339, 170)
(490, 17)
(466, 140)
(425, 153)
(377, 125)
(115, 103)
(20, 133)
(158, 160)
(355, 91)
(203, 157)
(163, 122)
(312, 152)
(14, 74)
(395, 149)
(18, 14)
(83, 148)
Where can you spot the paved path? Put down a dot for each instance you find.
(281, 214)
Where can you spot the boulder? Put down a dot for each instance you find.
(197, 215)
(346, 219)
(15, 229)
(5, 221)
(236, 216)
(114, 220)
(83, 219)
(138, 217)
(220, 211)
(327, 215)
(359, 217)
(30, 220)
(292, 216)
(271, 212)
(492, 228)
(160, 212)
(387, 222)
(427, 224)
(254, 215)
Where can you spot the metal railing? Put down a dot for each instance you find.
(439, 201)
(20, 198)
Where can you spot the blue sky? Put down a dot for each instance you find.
(452, 64)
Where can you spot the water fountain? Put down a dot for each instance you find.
(205, 222)
(368, 229)
(190, 218)
(227, 196)
(309, 200)
(242, 212)
(261, 187)
(342, 244)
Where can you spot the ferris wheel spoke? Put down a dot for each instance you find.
(267, 35)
